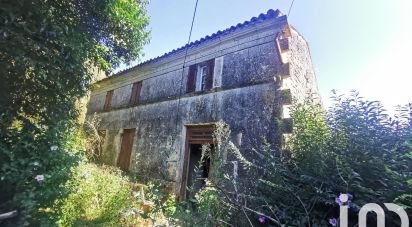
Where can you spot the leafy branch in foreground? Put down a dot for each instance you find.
(50, 52)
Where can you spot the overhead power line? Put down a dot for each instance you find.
(290, 7)
(181, 79)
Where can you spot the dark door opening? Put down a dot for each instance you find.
(196, 170)
(199, 169)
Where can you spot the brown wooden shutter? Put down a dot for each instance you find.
(191, 79)
(135, 96)
(108, 102)
(123, 161)
(209, 78)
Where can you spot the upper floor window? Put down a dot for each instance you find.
(200, 76)
(108, 102)
(135, 96)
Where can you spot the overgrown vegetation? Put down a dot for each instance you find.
(49, 54)
(97, 195)
(354, 148)
(102, 196)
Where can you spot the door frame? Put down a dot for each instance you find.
(194, 136)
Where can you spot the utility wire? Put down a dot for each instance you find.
(183, 72)
(290, 7)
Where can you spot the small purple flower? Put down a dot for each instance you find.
(338, 201)
(344, 199)
(350, 196)
(262, 219)
(333, 221)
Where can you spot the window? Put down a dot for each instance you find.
(135, 96)
(108, 102)
(200, 76)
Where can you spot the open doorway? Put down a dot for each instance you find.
(199, 141)
(199, 167)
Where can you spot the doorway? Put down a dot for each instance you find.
(123, 160)
(196, 169)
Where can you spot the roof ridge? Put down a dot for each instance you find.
(263, 16)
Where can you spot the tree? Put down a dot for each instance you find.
(49, 51)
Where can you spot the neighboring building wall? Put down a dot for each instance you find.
(248, 76)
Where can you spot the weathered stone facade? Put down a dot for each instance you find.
(259, 67)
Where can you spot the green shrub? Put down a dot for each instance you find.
(98, 196)
(354, 147)
(37, 169)
(51, 51)
(205, 209)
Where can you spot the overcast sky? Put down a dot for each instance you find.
(355, 44)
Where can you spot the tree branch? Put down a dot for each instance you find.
(8, 215)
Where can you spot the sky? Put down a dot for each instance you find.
(355, 44)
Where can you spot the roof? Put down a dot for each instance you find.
(270, 14)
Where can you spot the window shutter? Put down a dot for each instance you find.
(191, 79)
(217, 73)
(135, 96)
(209, 78)
(108, 102)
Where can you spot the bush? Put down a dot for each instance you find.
(354, 148)
(51, 51)
(101, 196)
(37, 169)
(98, 196)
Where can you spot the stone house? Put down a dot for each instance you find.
(155, 116)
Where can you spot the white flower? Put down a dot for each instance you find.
(85, 174)
(136, 194)
(54, 148)
(39, 178)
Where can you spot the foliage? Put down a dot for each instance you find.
(353, 148)
(94, 139)
(49, 53)
(37, 168)
(205, 209)
(98, 195)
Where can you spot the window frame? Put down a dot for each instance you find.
(201, 76)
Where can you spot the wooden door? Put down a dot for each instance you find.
(123, 161)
